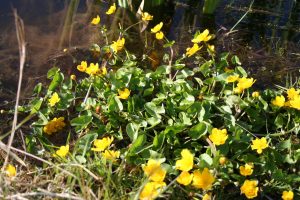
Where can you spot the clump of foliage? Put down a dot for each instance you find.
(175, 131)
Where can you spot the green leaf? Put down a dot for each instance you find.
(36, 105)
(206, 158)
(153, 110)
(81, 122)
(84, 143)
(284, 144)
(137, 145)
(164, 69)
(132, 131)
(52, 72)
(38, 88)
(279, 122)
(241, 71)
(198, 130)
(57, 79)
(158, 141)
(169, 44)
(115, 104)
(235, 60)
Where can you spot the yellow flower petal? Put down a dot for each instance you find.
(186, 163)
(203, 180)
(246, 170)
(287, 195)
(259, 144)
(157, 28)
(111, 10)
(124, 94)
(62, 151)
(96, 20)
(146, 16)
(54, 99)
(11, 170)
(218, 136)
(154, 171)
(250, 189)
(159, 35)
(185, 178)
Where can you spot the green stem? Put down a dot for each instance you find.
(29, 117)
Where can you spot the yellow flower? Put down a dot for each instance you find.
(124, 94)
(295, 102)
(154, 171)
(292, 93)
(255, 94)
(11, 171)
(202, 37)
(218, 136)
(226, 69)
(259, 144)
(287, 195)
(211, 48)
(246, 170)
(238, 90)
(186, 163)
(157, 28)
(185, 178)
(102, 144)
(207, 196)
(159, 35)
(151, 190)
(244, 83)
(55, 125)
(279, 101)
(54, 99)
(146, 16)
(73, 77)
(111, 10)
(232, 78)
(250, 189)
(111, 155)
(62, 151)
(96, 20)
(103, 71)
(93, 69)
(118, 45)
(191, 51)
(203, 180)
(222, 160)
(82, 67)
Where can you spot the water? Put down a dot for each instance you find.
(267, 39)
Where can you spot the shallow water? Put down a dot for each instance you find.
(267, 39)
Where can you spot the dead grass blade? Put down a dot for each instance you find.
(22, 51)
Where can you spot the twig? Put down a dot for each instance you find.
(42, 160)
(42, 192)
(249, 10)
(22, 51)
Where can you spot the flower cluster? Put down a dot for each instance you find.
(200, 37)
(200, 179)
(292, 102)
(242, 83)
(156, 175)
(55, 125)
(92, 69)
(157, 31)
(102, 145)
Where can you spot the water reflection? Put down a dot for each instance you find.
(270, 30)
